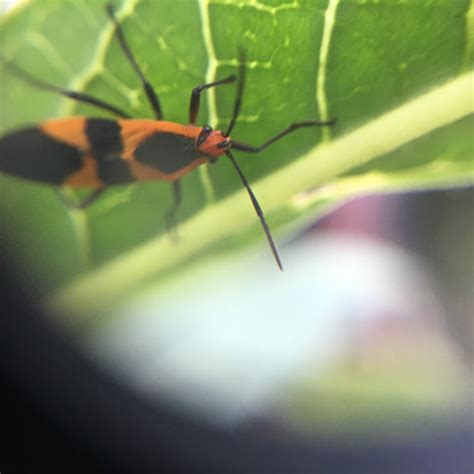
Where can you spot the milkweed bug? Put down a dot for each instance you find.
(99, 153)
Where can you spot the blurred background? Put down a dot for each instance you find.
(366, 338)
(367, 333)
(362, 347)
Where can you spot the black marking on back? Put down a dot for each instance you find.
(167, 152)
(106, 147)
(33, 155)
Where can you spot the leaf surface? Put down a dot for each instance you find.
(397, 76)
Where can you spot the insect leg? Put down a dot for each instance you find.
(170, 215)
(86, 202)
(196, 96)
(289, 129)
(258, 209)
(79, 96)
(147, 87)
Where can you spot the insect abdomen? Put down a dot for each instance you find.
(76, 152)
(32, 154)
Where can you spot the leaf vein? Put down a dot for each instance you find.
(210, 93)
(321, 97)
(420, 116)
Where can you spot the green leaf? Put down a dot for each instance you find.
(396, 75)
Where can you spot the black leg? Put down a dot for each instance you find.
(79, 96)
(86, 202)
(170, 215)
(291, 128)
(147, 87)
(196, 96)
(258, 210)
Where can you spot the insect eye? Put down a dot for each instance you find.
(223, 144)
(205, 132)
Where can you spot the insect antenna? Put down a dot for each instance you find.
(239, 93)
(258, 209)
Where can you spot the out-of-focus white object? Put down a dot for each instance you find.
(228, 342)
(6, 5)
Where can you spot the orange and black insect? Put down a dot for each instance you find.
(99, 153)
